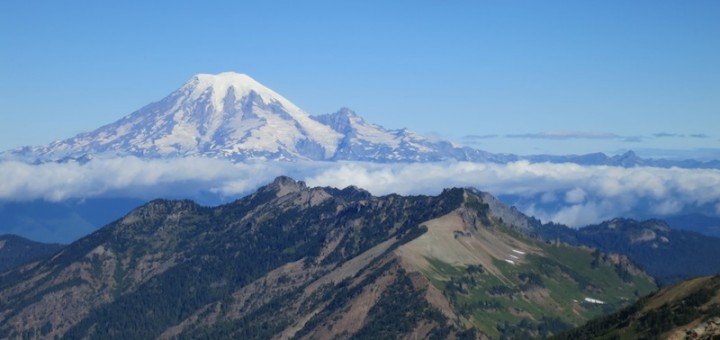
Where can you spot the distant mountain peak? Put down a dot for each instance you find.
(629, 154)
(232, 116)
(241, 84)
(348, 112)
(345, 121)
(227, 115)
(225, 76)
(283, 185)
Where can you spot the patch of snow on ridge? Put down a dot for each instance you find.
(372, 133)
(595, 301)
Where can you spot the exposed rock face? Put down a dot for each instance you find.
(709, 329)
(509, 215)
(295, 262)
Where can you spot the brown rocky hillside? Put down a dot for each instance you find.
(295, 262)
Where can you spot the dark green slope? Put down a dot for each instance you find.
(16, 250)
(167, 259)
(666, 254)
(689, 309)
(550, 288)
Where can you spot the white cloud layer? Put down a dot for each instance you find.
(565, 193)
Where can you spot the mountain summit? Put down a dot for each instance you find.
(228, 115)
(232, 116)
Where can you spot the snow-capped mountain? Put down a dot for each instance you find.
(364, 141)
(226, 115)
(230, 115)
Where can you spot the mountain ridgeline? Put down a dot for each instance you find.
(63, 221)
(232, 116)
(16, 250)
(666, 254)
(295, 262)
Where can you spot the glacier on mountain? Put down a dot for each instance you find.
(232, 116)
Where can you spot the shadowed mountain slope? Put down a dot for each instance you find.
(668, 255)
(687, 310)
(295, 262)
(16, 250)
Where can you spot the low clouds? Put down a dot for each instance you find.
(477, 139)
(679, 135)
(665, 135)
(575, 196)
(574, 135)
(564, 135)
(565, 193)
(129, 176)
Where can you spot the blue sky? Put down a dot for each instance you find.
(504, 76)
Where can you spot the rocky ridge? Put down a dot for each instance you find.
(291, 261)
